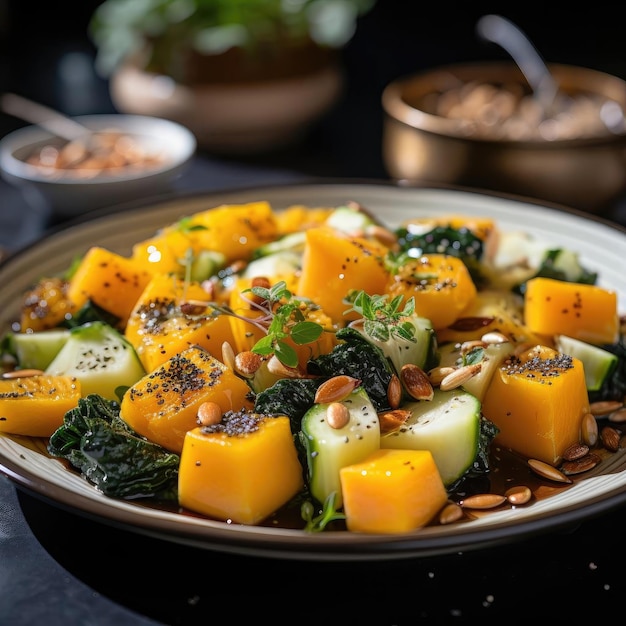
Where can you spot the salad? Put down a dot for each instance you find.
(315, 369)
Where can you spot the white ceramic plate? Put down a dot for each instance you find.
(599, 244)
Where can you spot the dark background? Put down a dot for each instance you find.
(38, 40)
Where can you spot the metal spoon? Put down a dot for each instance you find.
(53, 121)
(501, 31)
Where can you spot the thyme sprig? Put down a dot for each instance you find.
(384, 319)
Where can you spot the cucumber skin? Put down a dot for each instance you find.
(454, 445)
(598, 363)
(329, 449)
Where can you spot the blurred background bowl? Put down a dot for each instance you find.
(158, 150)
(581, 164)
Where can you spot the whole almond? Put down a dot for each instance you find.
(578, 466)
(337, 415)
(575, 451)
(416, 382)
(610, 438)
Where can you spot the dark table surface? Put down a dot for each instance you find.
(60, 568)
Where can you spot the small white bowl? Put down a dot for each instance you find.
(67, 193)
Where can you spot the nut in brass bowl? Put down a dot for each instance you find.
(478, 125)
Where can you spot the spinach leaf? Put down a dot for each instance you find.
(109, 454)
(355, 356)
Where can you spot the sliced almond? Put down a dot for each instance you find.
(483, 501)
(392, 420)
(394, 392)
(618, 416)
(589, 430)
(520, 494)
(460, 376)
(336, 389)
(25, 373)
(450, 513)
(604, 407)
(545, 470)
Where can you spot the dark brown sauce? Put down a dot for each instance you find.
(507, 469)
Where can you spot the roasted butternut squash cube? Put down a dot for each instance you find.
(163, 405)
(35, 406)
(240, 472)
(392, 491)
(165, 252)
(298, 217)
(585, 312)
(245, 334)
(111, 281)
(441, 285)
(538, 403)
(160, 326)
(234, 230)
(334, 264)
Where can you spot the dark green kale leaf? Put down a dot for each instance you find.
(109, 454)
(355, 356)
(91, 312)
(292, 397)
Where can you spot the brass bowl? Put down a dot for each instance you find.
(420, 146)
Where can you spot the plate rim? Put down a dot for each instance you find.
(281, 543)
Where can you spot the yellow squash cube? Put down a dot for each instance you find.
(35, 406)
(392, 491)
(538, 404)
(441, 285)
(163, 405)
(334, 264)
(109, 280)
(240, 477)
(158, 328)
(585, 312)
(234, 230)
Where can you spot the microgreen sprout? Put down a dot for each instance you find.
(328, 514)
(384, 318)
(285, 317)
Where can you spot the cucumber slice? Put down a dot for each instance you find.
(207, 263)
(329, 449)
(283, 263)
(292, 242)
(36, 350)
(100, 357)
(598, 363)
(492, 357)
(448, 426)
(399, 351)
(348, 219)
